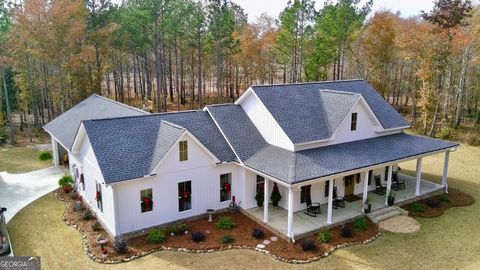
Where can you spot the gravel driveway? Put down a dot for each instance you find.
(18, 190)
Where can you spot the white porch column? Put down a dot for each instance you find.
(265, 200)
(56, 160)
(365, 189)
(445, 171)
(290, 213)
(389, 183)
(419, 176)
(330, 202)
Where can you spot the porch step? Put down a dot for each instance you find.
(386, 213)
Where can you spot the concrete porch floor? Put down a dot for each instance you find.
(304, 224)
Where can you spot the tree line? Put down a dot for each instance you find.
(164, 55)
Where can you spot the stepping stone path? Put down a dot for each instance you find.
(266, 242)
(260, 246)
(274, 238)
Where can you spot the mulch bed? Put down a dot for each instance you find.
(455, 198)
(242, 233)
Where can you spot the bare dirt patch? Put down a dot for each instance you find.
(241, 233)
(436, 206)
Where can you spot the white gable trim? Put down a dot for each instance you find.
(244, 96)
(79, 137)
(223, 134)
(180, 138)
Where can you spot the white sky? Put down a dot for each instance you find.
(407, 8)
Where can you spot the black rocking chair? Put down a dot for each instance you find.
(397, 183)
(312, 208)
(337, 201)
(379, 188)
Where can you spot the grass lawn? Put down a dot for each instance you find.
(20, 159)
(451, 241)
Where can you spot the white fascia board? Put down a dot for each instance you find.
(79, 137)
(244, 96)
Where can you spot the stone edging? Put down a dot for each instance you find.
(164, 248)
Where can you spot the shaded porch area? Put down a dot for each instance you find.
(304, 224)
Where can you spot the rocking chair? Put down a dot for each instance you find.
(337, 201)
(379, 188)
(312, 208)
(397, 183)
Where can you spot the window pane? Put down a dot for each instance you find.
(146, 200)
(184, 196)
(183, 149)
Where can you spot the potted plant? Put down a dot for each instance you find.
(276, 196)
(367, 206)
(391, 199)
(66, 183)
(260, 197)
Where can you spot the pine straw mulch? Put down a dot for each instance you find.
(454, 198)
(281, 249)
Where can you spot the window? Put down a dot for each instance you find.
(225, 187)
(98, 196)
(184, 196)
(146, 200)
(304, 192)
(327, 184)
(260, 183)
(82, 181)
(183, 147)
(370, 176)
(353, 126)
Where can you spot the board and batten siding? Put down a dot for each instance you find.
(200, 169)
(264, 122)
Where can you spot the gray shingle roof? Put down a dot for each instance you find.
(307, 114)
(130, 147)
(64, 127)
(295, 167)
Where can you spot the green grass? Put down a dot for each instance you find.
(446, 242)
(21, 159)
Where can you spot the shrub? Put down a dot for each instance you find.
(227, 239)
(432, 203)
(225, 223)
(360, 223)
(417, 207)
(3, 139)
(324, 237)
(198, 237)
(156, 236)
(45, 155)
(87, 215)
(346, 232)
(65, 181)
(444, 198)
(258, 233)
(308, 245)
(473, 140)
(96, 226)
(178, 228)
(120, 246)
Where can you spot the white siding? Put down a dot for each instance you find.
(265, 123)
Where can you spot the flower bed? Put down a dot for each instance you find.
(436, 205)
(240, 236)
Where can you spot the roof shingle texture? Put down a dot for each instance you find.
(64, 127)
(295, 167)
(130, 147)
(306, 113)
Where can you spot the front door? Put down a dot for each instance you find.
(349, 185)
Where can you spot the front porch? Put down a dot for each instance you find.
(304, 224)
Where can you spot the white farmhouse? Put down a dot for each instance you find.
(332, 143)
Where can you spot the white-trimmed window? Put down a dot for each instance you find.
(260, 183)
(225, 187)
(304, 192)
(98, 196)
(183, 149)
(353, 125)
(146, 200)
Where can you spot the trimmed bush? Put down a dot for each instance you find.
(360, 223)
(432, 203)
(198, 237)
(87, 215)
(178, 228)
(156, 236)
(227, 239)
(225, 223)
(324, 237)
(346, 232)
(417, 207)
(120, 246)
(258, 233)
(308, 245)
(45, 155)
(96, 226)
